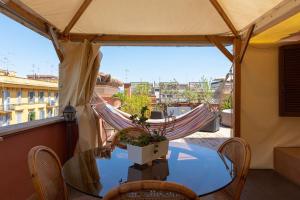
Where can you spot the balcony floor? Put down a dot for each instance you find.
(261, 184)
(268, 184)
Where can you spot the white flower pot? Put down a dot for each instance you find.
(146, 154)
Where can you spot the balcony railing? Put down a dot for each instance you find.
(10, 107)
(51, 103)
(7, 107)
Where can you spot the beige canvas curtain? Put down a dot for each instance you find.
(77, 78)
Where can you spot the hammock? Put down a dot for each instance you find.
(178, 127)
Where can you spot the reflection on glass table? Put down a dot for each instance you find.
(159, 170)
(96, 171)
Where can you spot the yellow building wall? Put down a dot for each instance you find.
(24, 106)
(261, 125)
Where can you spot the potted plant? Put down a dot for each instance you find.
(145, 143)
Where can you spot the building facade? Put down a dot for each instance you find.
(27, 99)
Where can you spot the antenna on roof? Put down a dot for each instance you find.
(5, 61)
(33, 66)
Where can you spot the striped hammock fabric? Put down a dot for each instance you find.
(178, 127)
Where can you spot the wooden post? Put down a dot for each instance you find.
(237, 87)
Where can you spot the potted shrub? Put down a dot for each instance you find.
(144, 143)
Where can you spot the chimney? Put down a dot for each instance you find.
(127, 89)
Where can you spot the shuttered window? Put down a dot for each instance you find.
(289, 80)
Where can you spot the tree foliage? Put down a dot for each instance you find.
(139, 98)
(206, 94)
(227, 103)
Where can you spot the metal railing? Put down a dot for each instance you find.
(7, 107)
(10, 107)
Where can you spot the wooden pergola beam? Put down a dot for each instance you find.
(246, 42)
(146, 39)
(53, 37)
(221, 47)
(77, 15)
(222, 13)
(18, 12)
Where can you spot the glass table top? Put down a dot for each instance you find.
(201, 169)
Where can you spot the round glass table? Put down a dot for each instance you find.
(201, 169)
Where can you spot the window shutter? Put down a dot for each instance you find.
(289, 80)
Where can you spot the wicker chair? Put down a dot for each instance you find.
(45, 169)
(150, 190)
(238, 151)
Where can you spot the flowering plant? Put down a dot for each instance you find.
(146, 134)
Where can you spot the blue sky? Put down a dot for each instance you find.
(25, 52)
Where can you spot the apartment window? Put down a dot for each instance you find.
(19, 96)
(31, 97)
(31, 116)
(49, 97)
(51, 101)
(42, 113)
(49, 113)
(41, 97)
(19, 116)
(4, 120)
(56, 97)
(55, 111)
(6, 100)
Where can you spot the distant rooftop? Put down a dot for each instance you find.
(43, 77)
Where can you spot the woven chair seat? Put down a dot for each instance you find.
(152, 195)
(150, 190)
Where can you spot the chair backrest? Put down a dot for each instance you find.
(151, 190)
(238, 151)
(45, 169)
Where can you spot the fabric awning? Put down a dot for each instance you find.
(152, 17)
